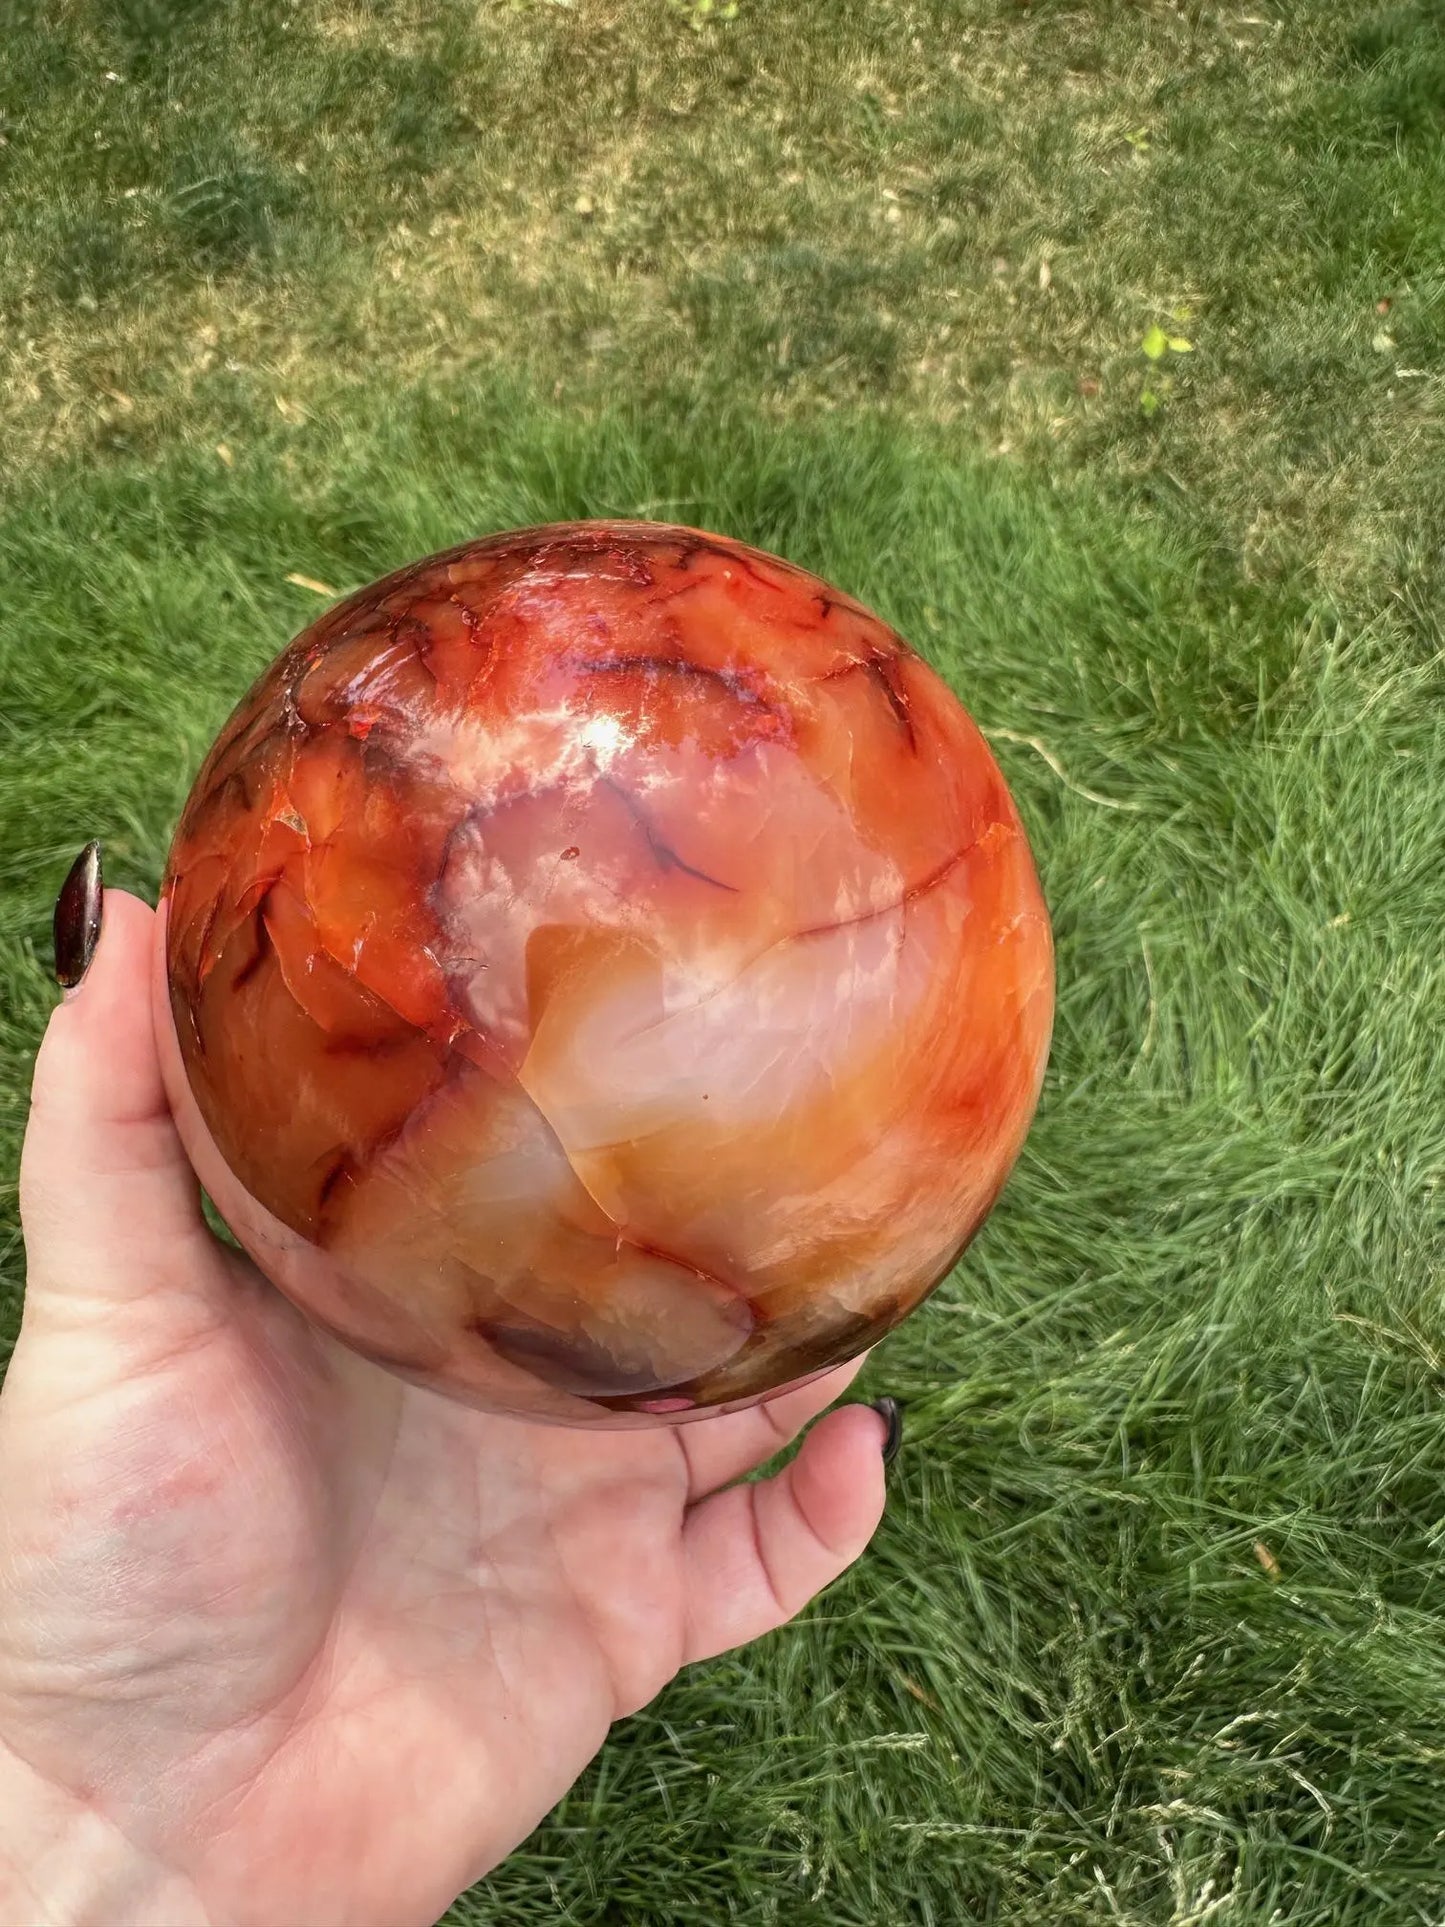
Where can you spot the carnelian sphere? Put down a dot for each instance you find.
(610, 981)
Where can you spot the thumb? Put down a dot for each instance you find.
(108, 1202)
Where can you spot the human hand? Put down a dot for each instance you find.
(283, 1639)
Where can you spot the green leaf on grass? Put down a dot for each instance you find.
(1155, 343)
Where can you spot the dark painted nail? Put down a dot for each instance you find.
(891, 1412)
(77, 917)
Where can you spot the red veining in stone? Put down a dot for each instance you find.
(609, 977)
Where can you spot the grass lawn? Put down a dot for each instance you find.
(1154, 1631)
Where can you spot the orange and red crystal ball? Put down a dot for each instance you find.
(610, 981)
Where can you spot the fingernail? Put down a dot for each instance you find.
(891, 1413)
(77, 919)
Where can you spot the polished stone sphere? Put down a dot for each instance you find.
(609, 978)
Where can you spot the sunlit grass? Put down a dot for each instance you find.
(976, 210)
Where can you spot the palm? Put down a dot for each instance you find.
(348, 1642)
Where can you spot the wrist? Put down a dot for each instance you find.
(63, 1864)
